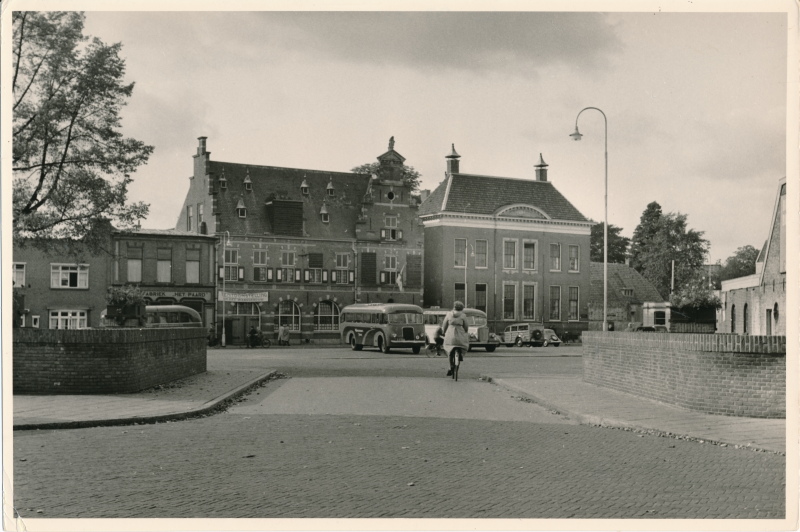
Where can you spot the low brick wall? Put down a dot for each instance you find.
(725, 374)
(114, 360)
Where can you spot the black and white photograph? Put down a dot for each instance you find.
(440, 265)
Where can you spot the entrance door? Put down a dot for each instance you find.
(768, 331)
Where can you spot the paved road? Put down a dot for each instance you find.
(288, 452)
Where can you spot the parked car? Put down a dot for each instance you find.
(530, 334)
(479, 335)
(550, 338)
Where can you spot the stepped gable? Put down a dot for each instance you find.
(270, 183)
(477, 194)
(621, 276)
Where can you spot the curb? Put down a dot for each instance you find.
(207, 407)
(588, 419)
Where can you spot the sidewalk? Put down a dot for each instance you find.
(596, 405)
(195, 395)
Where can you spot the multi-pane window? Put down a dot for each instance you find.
(313, 275)
(480, 297)
(134, 265)
(259, 265)
(555, 257)
(529, 256)
(391, 221)
(529, 302)
(573, 302)
(246, 309)
(164, 265)
(343, 260)
(289, 315)
(458, 292)
(510, 254)
(314, 272)
(481, 252)
(326, 317)
(69, 276)
(461, 252)
(192, 265)
(391, 262)
(389, 276)
(574, 258)
(199, 214)
(231, 264)
(287, 272)
(555, 303)
(19, 274)
(189, 218)
(660, 317)
(68, 319)
(390, 232)
(509, 301)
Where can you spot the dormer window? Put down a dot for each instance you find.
(323, 212)
(331, 191)
(240, 209)
(304, 187)
(627, 292)
(223, 183)
(248, 184)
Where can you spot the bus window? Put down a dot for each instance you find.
(479, 321)
(405, 317)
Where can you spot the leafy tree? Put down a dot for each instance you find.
(617, 245)
(71, 162)
(669, 239)
(644, 232)
(410, 176)
(695, 293)
(740, 264)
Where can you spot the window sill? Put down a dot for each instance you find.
(554, 271)
(574, 271)
(68, 288)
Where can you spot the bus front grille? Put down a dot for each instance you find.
(408, 333)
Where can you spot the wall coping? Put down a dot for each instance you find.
(734, 343)
(101, 335)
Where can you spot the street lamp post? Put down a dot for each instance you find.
(577, 136)
(222, 299)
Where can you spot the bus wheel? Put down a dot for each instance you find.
(519, 342)
(490, 348)
(383, 345)
(353, 345)
(415, 349)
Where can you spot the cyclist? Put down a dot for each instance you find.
(456, 334)
(253, 334)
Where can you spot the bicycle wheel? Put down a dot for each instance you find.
(456, 363)
(266, 343)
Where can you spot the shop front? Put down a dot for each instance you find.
(243, 311)
(200, 300)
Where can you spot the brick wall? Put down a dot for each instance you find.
(88, 361)
(725, 374)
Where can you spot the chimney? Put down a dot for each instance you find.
(201, 149)
(452, 161)
(423, 195)
(541, 169)
(627, 261)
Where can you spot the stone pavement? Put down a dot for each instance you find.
(596, 405)
(193, 395)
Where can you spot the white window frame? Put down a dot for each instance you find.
(535, 254)
(455, 253)
(390, 221)
(199, 215)
(326, 218)
(342, 276)
(259, 254)
(74, 316)
(503, 300)
(342, 261)
(285, 255)
(158, 266)
(314, 275)
(550, 302)
(569, 258)
(35, 322)
(577, 305)
(17, 269)
(486, 295)
(516, 254)
(195, 263)
(242, 212)
(189, 217)
(231, 268)
(550, 257)
(522, 306)
(79, 268)
(334, 316)
(486, 257)
(455, 290)
(390, 263)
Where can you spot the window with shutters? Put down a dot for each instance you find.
(69, 276)
(259, 265)
(288, 273)
(231, 264)
(192, 265)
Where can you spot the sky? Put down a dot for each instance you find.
(695, 102)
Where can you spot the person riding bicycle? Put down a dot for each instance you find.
(456, 334)
(253, 335)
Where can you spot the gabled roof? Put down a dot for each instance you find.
(270, 182)
(775, 214)
(621, 276)
(478, 194)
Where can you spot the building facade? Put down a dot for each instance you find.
(64, 287)
(294, 246)
(756, 304)
(514, 248)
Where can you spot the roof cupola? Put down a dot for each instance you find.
(541, 169)
(452, 160)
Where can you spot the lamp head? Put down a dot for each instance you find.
(577, 135)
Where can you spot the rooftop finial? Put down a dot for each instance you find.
(541, 161)
(453, 153)
(391, 143)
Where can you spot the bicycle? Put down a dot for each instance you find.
(260, 341)
(458, 356)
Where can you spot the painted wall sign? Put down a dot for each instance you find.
(178, 295)
(244, 297)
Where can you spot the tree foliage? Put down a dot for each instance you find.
(71, 162)
(410, 176)
(695, 293)
(740, 264)
(661, 238)
(617, 245)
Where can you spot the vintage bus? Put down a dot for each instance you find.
(479, 335)
(382, 325)
(171, 316)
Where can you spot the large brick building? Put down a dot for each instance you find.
(296, 245)
(756, 304)
(64, 287)
(514, 248)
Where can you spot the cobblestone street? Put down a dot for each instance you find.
(248, 463)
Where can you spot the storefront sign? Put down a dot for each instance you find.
(152, 294)
(244, 297)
